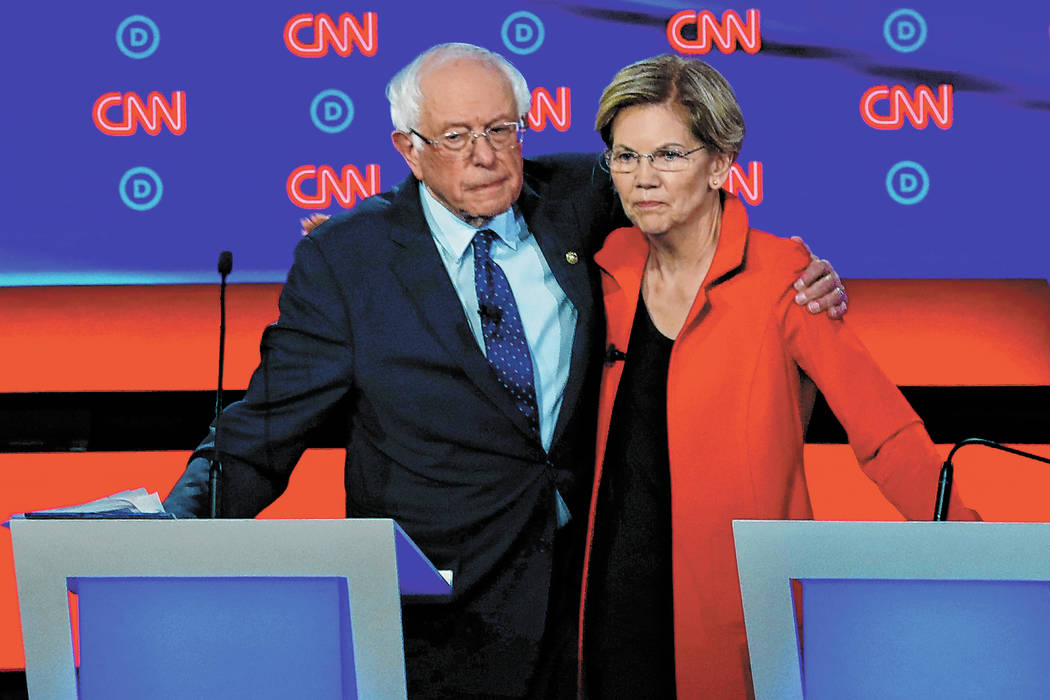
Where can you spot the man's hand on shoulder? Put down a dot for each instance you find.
(819, 288)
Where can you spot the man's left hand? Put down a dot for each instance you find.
(819, 288)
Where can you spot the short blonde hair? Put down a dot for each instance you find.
(714, 114)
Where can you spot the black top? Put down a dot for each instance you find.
(629, 626)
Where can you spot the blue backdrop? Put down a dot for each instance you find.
(900, 141)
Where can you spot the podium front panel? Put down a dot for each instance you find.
(881, 639)
(193, 638)
(971, 557)
(365, 554)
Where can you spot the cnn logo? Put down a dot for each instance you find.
(726, 35)
(919, 109)
(342, 35)
(346, 187)
(151, 113)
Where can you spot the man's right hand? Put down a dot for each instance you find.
(311, 222)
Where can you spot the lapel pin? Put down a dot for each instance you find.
(572, 257)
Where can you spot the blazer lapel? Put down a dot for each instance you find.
(560, 245)
(553, 227)
(418, 267)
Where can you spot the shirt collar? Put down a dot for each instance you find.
(455, 235)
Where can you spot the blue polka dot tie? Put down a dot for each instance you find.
(505, 344)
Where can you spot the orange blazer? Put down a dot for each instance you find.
(735, 431)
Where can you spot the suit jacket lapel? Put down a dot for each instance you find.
(559, 243)
(418, 266)
(553, 228)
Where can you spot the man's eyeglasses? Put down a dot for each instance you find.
(500, 136)
(621, 160)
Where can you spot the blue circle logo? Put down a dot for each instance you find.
(523, 32)
(331, 111)
(907, 182)
(905, 30)
(140, 188)
(138, 36)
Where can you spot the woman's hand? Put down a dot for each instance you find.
(819, 288)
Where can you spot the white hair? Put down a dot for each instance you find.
(406, 96)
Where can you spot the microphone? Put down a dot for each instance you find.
(944, 483)
(614, 355)
(490, 313)
(225, 263)
(225, 266)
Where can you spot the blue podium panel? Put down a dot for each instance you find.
(218, 637)
(886, 639)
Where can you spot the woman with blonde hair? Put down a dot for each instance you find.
(699, 420)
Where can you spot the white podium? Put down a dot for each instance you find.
(896, 610)
(217, 608)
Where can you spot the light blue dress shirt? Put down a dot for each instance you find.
(547, 315)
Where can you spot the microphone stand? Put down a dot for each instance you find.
(944, 484)
(215, 470)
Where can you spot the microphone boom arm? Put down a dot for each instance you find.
(944, 484)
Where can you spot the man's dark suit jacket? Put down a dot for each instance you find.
(371, 324)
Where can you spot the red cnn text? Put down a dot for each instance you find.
(544, 107)
(919, 109)
(325, 183)
(726, 35)
(747, 186)
(342, 35)
(152, 113)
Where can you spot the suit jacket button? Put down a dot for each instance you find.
(572, 257)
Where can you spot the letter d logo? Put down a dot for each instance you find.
(523, 32)
(907, 182)
(331, 111)
(904, 30)
(138, 36)
(141, 188)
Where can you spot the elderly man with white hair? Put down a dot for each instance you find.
(455, 323)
